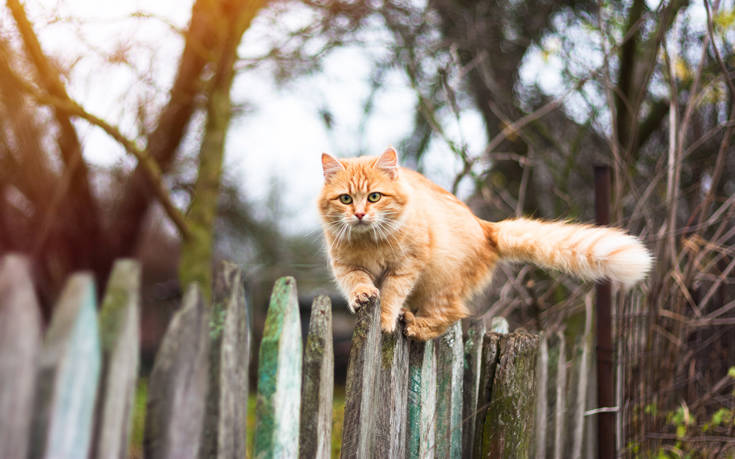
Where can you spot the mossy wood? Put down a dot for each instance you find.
(508, 429)
(119, 324)
(317, 384)
(391, 395)
(488, 366)
(471, 380)
(68, 375)
(224, 431)
(279, 376)
(20, 343)
(421, 409)
(360, 390)
(178, 384)
(449, 367)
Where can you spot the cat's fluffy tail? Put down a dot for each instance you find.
(586, 251)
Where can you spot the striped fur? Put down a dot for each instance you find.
(420, 247)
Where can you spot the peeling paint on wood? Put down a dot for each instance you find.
(279, 376)
(68, 375)
(119, 332)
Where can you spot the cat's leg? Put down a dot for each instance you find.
(425, 327)
(357, 285)
(393, 293)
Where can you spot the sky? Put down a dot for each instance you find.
(277, 142)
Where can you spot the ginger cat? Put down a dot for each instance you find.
(395, 235)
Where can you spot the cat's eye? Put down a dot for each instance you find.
(374, 196)
(345, 198)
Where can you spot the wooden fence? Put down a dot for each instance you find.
(69, 393)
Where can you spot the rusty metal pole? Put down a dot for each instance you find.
(605, 381)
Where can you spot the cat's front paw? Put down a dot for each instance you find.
(361, 296)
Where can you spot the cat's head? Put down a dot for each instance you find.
(362, 196)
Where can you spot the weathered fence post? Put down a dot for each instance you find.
(376, 392)
(542, 399)
(450, 363)
(508, 425)
(391, 395)
(20, 341)
(488, 366)
(361, 382)
(224, 431)
(178, 384)
(420, 428)
(472, 359)
(317, 384)
(279, 375)
(560, 404)
(119, 333)
(68, 375)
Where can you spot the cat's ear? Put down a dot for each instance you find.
(330, 166)
(388, 162)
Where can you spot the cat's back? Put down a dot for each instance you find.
(449, 219)
(430, 195)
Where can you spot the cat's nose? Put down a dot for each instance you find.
(359, 215)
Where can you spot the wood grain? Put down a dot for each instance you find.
(68, 376)
(225, 420)
(178, 384)
(317, 384)
(20, 344)
(119, 322)
(279, 376)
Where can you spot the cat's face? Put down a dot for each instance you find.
(362, 196)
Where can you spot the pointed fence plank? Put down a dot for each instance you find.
(279, 376)
(20, 343)
(391, 395)
(450, 363)
(178, 384)
(362, 369)
(317, 384)
(119, 332)
(509, 422)
(68, 376)
(472, 357)
(421, 409)
(224, 432)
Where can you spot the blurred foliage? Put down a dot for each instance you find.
(560, 86)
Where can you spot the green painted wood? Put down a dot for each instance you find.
(362, 369)
(450, 365)
(488, 365)
(421, 409)
(471, 381)
(119, 322)
(68, 375)
(317, 384)
(20, 344)
(391, 395)
(508, 429)
(224, 432)
(177, 387)
(279, 376)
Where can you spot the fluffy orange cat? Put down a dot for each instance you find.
(395, 235)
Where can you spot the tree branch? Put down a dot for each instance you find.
(153, 173)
